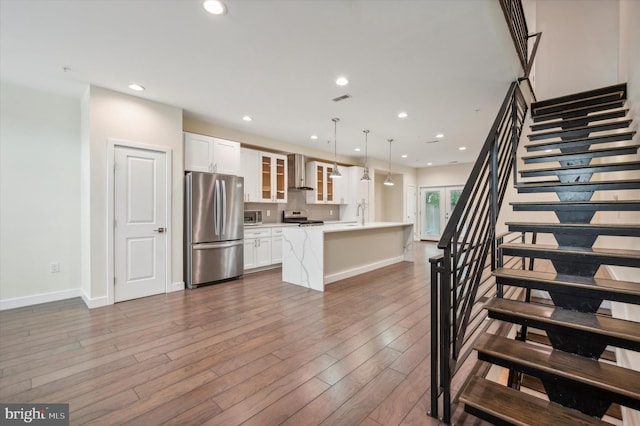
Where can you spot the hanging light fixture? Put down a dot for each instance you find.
(365, 176)
(388, 181)
(335, 173)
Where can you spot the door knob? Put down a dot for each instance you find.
(160, 230)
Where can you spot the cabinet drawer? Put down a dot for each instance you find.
(257, 233)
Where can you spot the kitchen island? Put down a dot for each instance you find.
(315, 256)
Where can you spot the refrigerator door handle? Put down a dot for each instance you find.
(216, 208)
(209, 246)
(224, 207)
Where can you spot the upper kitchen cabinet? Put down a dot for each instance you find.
(209, 154)
(265, 176)
(250, 170)
(327, 190)
(273, 179)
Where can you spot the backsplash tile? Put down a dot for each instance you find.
(296, 201)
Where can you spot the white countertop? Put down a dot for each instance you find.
(352, 226)
(280, 224)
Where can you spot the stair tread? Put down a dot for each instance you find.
(555, 183)
(551, 279)
(561, 105)
(615, 113)
(578, 112)
(617, 228)
(614, 205)
(606, 90)
(512, 406)
(551, 157)
(581, 141)
(592, 128)
(575, 368)
(538, 316)
(589, 168)
(591, 251)
(534, 337)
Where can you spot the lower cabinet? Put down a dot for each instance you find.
(262, 247)
(257, 248)
(276, 245)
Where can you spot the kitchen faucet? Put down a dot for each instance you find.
(361, 205)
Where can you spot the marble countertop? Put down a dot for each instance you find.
(277, 225)
(352, 226)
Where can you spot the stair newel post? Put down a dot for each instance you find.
(445, 335)
(437, 272)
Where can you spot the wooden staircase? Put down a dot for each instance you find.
(579, 382)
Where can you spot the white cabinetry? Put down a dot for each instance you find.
(265, 176)
(276, 245)
(209, 154)
(250, 170)
(257, 248)
(327, 190)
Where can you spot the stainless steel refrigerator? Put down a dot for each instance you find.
(214, 228)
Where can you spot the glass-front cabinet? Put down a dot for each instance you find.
(273, 178)
(265, 176)
(326, 190)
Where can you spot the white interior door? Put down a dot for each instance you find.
(436, 206)
(140, 209)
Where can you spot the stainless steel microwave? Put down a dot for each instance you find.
(253, 217)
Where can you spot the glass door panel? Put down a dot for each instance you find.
(320, 181)
(280, 179)
(436, 206)
(266, 178)
(329, 184)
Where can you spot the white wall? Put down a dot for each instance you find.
(39, 196)
(579, 46)
(114, 115)
(449, 175)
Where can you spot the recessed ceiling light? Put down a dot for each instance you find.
(548, 150)
(462, 148)
(439, 136)
(429, 164)
(342, 81)
(214, 7)
(404, 156)
(136, 87)
(357, 150)
(314, 137)
(402, 114)
(247, 118)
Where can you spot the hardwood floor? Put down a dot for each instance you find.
(255, 351)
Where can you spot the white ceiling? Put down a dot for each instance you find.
(446, 63)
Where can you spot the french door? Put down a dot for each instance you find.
(436, 206)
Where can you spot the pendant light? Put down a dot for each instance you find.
(335, 173)
(365, 176)
(388, 181)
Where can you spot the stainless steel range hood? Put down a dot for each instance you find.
(297, 171)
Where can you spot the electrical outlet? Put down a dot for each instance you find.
(268, 213)
(330, 212)
(54, 267)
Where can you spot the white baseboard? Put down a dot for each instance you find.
(361, 269)
(177, 286)
(36, 299)
(94, 303)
